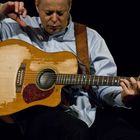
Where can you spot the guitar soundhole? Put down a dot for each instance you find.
(46, 79)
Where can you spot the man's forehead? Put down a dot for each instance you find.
(54, 1)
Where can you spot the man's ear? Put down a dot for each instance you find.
(37, 9)
(70, 5)
(36, 5)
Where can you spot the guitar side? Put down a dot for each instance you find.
(22, 66)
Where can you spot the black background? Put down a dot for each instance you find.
(118, 23)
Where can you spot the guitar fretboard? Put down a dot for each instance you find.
(78, 79)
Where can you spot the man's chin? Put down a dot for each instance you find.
(53, 31)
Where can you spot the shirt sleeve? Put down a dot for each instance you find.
(10, 29)
(103, 64)
(7, 28)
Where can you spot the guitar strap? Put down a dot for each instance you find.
(82, 45)
(82, 54)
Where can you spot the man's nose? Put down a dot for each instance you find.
(54, 17)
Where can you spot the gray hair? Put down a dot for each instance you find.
(69, 2)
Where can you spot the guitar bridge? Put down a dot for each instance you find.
(20, 78)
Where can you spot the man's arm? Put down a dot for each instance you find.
(13, 10)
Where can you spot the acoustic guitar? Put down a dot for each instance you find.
(30, 76)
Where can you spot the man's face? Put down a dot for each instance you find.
(54, 14)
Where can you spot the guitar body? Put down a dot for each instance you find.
(28, 75)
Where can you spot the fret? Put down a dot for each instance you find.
(112, 81)
(84, 79)
(62, 78)
(102, 80)
(70, 78)
(116, 81)
(78, 79)
(89, 80)
(57, 79)
(93, 80)
(107, 81)
(73, 79)
(67, 79)
(98, 80)
(81, 80)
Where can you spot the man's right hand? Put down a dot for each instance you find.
(14, 10)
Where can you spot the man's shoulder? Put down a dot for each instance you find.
(89, 29)
(32, 21)
(9, 20)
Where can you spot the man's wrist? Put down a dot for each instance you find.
(1, 5)
(2, 16)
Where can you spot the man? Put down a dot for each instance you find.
(56, 29)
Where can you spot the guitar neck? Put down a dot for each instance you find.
(79, 79)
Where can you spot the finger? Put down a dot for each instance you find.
(126, 82)
(22, 23)
(10, 3)
(16, 6)
(7, 7)
(138, 82)
(24, 13)
(21, 7)
(133, 83)
(124, 87)
(17, 19)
